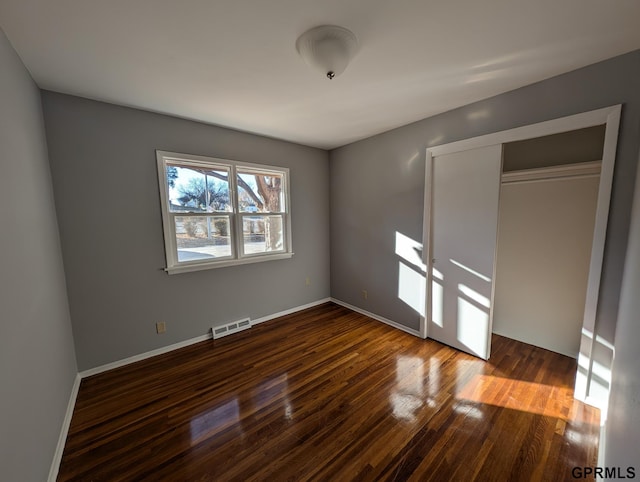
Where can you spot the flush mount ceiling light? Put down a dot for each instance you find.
(328, 48)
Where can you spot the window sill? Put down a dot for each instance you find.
(223, 264)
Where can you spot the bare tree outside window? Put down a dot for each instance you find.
(227, 211)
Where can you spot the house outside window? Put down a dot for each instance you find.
(217, 212)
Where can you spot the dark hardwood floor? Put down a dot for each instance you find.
(329, 394)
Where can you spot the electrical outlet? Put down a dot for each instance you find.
(365, 295)
(161, 327)
(307, 281)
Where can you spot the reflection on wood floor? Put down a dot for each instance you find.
(329, 394)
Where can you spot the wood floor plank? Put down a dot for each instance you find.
(329, 394)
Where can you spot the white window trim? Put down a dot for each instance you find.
(235, 216)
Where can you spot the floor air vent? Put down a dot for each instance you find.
(231, 328)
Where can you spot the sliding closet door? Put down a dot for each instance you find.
(465, 189)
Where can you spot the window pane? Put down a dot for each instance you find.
(197, 189)
(260, 192)
(262, 234)
(202, 237)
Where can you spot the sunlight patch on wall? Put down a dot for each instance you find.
(599, 387)
(411, 283)
(593, 378)
(603, 372)
(410, 250)
(411, 288)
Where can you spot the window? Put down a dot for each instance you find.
(219, 213)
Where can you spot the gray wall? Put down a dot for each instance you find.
(377, 185)
(623, 426)
(37, 359)
(106, 186)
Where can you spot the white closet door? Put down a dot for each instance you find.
(465, 189)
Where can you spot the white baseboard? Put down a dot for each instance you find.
(192, 341)
(143, 356)
(62, 439)
(290, 310)
(378, 318)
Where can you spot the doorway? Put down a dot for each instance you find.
(607, 117)
(548, 198)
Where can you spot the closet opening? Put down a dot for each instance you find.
(548, 231)
(548, 200)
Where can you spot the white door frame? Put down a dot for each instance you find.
(610, 116)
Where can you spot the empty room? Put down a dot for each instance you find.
(319, 240)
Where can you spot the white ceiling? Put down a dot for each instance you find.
(234, 62)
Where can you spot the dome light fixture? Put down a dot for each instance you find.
(328, 48)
